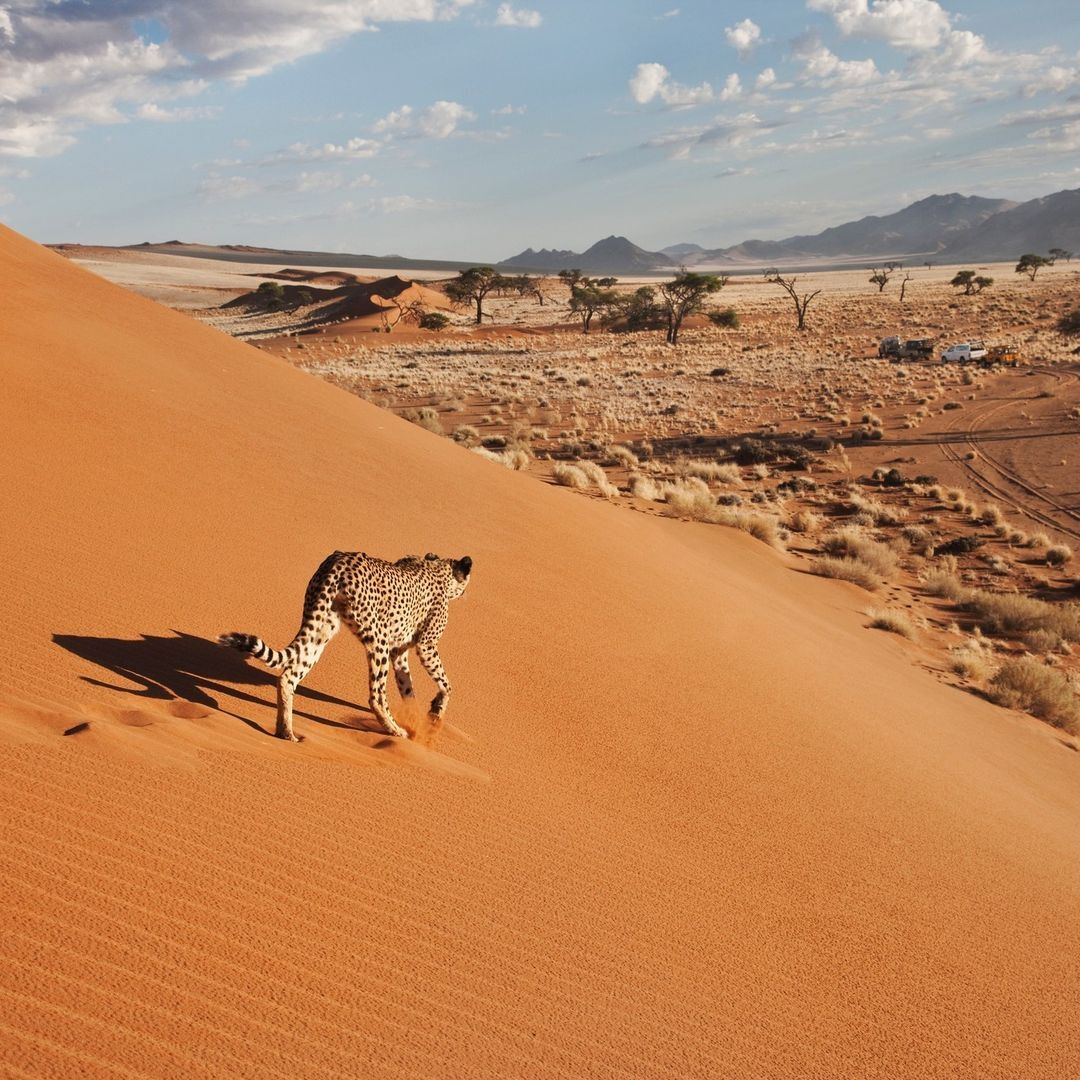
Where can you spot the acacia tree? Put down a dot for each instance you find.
(1060, 253)
(471, 286)
(588, 298)
(639, 310)
(788, 285)
(880, 277)
(971, 282)
(685, 295)
(571, 279)
(1031, 264)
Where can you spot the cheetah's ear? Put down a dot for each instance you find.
(462, 568)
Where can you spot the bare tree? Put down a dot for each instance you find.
(801, 303)
(880, 278)
(903, 286)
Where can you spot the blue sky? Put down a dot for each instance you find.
(470, 129)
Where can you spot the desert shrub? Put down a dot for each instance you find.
(710, 470)
(850, 543)
(622, 455)
(728, 318)
(991, 515)
(1040, 690)
(510, 459)
(878, 512)
(943, 583)
(895, 622)
(597, 476)
(644, 487)
(1059, 554)
(754, 452)
(686, 500)
(466, 434)
(974, 659)
(846, 570)
(803, 521)
(1012, 613)
(434, 320)
(425, 417)
(569, 476)
(960, 545)
(1009, 613)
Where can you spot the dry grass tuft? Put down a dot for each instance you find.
(974, 659)
(1059, 554)
(1040, 690)
(569, 476)
(895, 622)
(853, 570)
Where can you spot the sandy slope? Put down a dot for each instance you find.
(691, 819)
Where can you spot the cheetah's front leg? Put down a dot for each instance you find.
(379, 670)
(429, 657)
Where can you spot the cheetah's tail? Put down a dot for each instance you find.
(253, 646)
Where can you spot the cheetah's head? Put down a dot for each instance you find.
(460, 569)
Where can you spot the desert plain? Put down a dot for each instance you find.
(694, 812)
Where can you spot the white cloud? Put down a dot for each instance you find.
(351, 150)
(653, 80)
(6, 196)
(65, 66)
(1053, 80)
(905, 24)
(437, 121)
(510, 110)
(922, 27)
(509, 16)
(765, 79)
(221, 188)
(1059, 138)
(823, 66)
(732, 88)
(397, 204)
(152, 111)
(733, 132)
(744, 36)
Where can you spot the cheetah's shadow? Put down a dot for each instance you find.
(192, 668)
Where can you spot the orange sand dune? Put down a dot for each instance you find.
(690, 817)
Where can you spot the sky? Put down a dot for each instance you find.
(471, 129)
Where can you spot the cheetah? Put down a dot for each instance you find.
(391, 607)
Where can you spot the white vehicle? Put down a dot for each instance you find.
(964, 352)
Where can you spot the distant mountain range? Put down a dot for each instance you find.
(614, 255)
(943, 227)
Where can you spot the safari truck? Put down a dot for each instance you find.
(917, 349)
(1007, 355)
(964, 352)
(889, 346)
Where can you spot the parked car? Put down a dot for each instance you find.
(964, 352)
(917, 349)
(889, 346)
